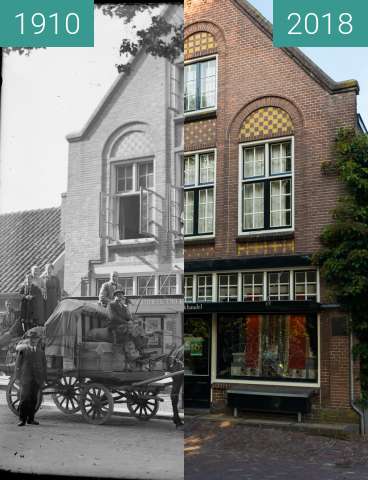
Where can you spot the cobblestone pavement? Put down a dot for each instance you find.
(225, 450)
(66, 445)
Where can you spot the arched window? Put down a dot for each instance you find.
(266, 171)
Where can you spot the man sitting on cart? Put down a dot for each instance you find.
(108, 290)
(119, 315)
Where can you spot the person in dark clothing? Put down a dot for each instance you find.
(30, 371)
(52, 289)
(32, 305)
(119, 315)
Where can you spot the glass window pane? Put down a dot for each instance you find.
(206, 168)
(280, 158)
(205, 211)
(268, 347)
(190, 82)
(188, 213)
(253, 161)
(189, 170)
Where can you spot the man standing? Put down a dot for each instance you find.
(52, 291)
(9, 317)
(108, 289)
(30, 371)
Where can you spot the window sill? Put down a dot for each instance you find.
(210, 240)
(135, 242)
(270, 236)
(200, 115)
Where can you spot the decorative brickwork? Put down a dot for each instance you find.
(199, 44)
(266, 248)
(199, 135)
(266, 122)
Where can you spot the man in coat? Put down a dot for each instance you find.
(119, 315)
(52, 290)
(30, 371)
(108, 289)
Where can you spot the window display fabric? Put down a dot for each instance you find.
(252, 328)
(297, 342)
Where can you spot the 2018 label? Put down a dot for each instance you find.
(313, 23)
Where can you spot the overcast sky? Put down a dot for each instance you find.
(53, 92)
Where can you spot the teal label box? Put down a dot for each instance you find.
(46, 23)
(320, 23)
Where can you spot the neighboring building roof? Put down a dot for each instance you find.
(27, 238)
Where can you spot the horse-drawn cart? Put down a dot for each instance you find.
(93, 376)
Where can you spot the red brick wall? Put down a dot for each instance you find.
(251, 74)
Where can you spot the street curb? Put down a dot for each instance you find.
(339, 431)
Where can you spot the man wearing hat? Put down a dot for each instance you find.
(119, 314)
(30, 371)
(108, 289)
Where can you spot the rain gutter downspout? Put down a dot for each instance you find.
(352, 400)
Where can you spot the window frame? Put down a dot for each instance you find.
(198, 60)
(196, 188)
(134, 192)
(266, 180)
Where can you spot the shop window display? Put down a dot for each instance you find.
(267, 347)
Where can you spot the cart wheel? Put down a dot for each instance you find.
(13, 396)
(68, 394)
(142, 404)
(97, 404)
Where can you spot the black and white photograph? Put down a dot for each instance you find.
(92, 252)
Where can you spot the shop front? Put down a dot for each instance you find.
(260, 343)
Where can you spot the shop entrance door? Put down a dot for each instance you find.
(197, 341)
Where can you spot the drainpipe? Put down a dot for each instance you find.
(358, 410)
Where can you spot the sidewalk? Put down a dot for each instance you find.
(335, 430)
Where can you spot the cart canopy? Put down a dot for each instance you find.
(62, 325)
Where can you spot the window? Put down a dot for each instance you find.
(125, 282)
(204, 288)
(266, 186)
(305, 285)
(132, 200)
(200, 85)
(228, 288)
(268, 347)
(188, 288)
(253, 287)
(279, 285)
(167, 285)
(146, 286)
(199, 177)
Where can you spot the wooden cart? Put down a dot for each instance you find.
(95, 391)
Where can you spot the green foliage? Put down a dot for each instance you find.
(160, 39)
(343, 256)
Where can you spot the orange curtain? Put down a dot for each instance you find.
(297, 341)
(252, 326)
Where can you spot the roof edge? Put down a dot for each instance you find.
(75, 136)
(311, 68)
(32, 210)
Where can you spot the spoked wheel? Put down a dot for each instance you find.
(13, 396)
(142, 404)
(68, 394)
(97, 404)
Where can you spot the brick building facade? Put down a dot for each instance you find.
(121, 211)
(260, 124)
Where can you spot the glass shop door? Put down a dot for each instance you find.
(197, 358)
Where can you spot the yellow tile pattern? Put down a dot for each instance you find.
(266, 122)
(266, 248)
(199, 42)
